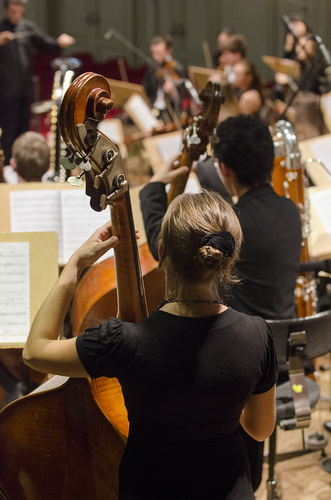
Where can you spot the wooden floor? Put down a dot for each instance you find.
(302, 478)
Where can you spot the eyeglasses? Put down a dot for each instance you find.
(215, 162)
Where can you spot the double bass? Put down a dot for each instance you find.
(66, 439)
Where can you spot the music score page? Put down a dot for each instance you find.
(14, 292)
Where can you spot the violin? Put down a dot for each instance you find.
(167, 71)
(66, 439)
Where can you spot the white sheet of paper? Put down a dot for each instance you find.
(169, 147)
(140, 108)
(36, 210)
(321, 201)
(322, 151)
(14, 292)
(192, 186)
(67, 212)
(110, 129)
(79, 221)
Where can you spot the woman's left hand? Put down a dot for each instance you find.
(97, 245)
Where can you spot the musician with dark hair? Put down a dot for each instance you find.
(269, 264)
(160, 79)
(233, 49)
(19, 39)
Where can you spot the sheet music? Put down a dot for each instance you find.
(322, 151)
(36, 210)
(67, 212)
(79, 221)
(192, 185)
(170, 146)
(139, 109)
(321, 202)
(14, 292)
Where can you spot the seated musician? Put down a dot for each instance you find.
(312, 68)
(300, 28)
(29, 163)
(222, 38)
(233, 50)
(160, 80)
(269, 261)
(30, 159)
(248, 87)
(185, 374)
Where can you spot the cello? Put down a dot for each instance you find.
(95, 296)
(66, 439)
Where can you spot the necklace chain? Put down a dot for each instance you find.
(169, 301)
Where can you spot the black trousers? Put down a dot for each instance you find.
(14, 121)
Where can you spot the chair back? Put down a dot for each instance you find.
(318, 334)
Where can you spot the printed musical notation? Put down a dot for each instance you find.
(67, 212)
(14, 292)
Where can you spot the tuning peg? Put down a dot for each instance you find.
(77, 181)
(86, 166)
(68, 162)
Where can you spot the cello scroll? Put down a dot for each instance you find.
(198, 134)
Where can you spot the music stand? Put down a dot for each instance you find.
(122, 91)
(200, 76)
(43, 271)
(279, 65)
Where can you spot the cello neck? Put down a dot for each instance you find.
(178, 185)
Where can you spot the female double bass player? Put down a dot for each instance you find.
(184, 441)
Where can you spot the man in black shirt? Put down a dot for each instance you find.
(160, 79)
(271, 224)
(19, 40)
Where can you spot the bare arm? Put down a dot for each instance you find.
(258, 418)
(43, 351)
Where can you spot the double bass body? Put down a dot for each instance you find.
(64, 442)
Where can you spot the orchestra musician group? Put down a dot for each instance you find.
(199, 374)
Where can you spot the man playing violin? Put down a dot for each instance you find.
(161, 80)
(19, 39)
